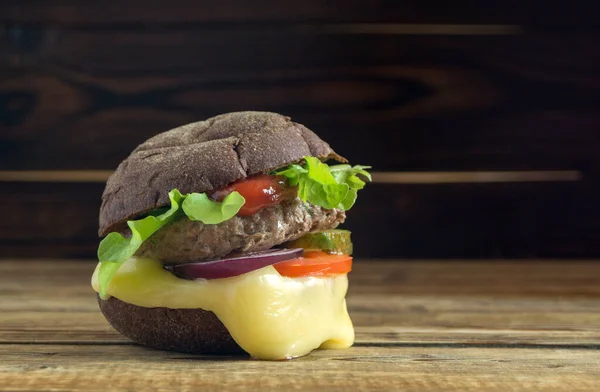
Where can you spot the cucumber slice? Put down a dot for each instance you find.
(330, 241)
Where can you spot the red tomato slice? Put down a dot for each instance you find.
(259, 191)
(315, 263)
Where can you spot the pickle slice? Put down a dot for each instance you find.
(330, 241)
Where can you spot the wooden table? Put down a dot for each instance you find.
(426, 326)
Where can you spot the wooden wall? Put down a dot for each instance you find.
(411, 86)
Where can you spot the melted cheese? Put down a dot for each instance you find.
(268, 315)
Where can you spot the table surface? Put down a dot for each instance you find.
(420, 325)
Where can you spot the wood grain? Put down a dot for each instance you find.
(416, 86)
(445, 177)
(476, 220)
(481, 220)
(364, 368)
(529, 325)
(60, 212)
(419, 102)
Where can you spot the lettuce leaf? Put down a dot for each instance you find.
(349, 174)
(199, 207)
(114, 249)
(326, 186)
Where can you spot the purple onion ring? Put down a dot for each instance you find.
(234, 266)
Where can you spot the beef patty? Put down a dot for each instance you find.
(185, 240)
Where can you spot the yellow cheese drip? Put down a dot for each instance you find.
(268, 315)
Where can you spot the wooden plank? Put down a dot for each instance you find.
(102, 334)
(446, 103)
(523, 302)
(534, 141)
(554, 278)
(49, 248)
(446, 177)
(476, 220)
(49, 219)
(55, 212)
(133, 12)
(439, 326)
(404, 319)
(479, 220)
(245, 50)
(120, 368)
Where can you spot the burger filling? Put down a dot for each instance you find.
(269, 315)
(213, 251)
(185, 240)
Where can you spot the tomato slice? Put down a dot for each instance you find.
(259, 191)
(315, 263)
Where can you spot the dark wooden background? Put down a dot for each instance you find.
(405, 86)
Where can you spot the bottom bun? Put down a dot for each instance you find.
(186, 330)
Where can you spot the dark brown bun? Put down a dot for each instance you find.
(186, 330)
(203, 156)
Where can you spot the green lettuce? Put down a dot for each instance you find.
(198, 206)
(114, 249)
(326, 186)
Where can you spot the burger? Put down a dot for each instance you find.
(221, 237)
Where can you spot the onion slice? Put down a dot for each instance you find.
(234, 266)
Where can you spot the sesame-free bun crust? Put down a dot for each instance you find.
(203, 156)
(186, 330)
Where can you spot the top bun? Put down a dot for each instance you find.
(203, 156)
